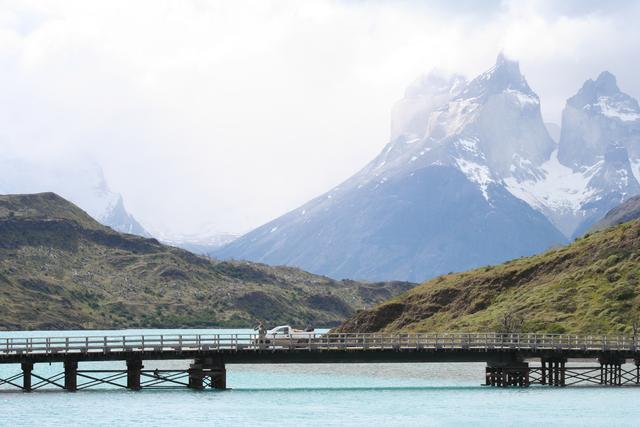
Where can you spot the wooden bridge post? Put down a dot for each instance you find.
(134, 369)
(71, 375)
(27, 367)
(212, 367)
(196, 376)
(505, 374)
(611, 369)
(553, 370)
(219, 378)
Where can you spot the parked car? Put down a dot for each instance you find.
(286, 335)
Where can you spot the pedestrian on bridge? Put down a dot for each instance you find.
(262, 333)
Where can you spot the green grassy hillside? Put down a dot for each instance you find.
(590, 286)
(61, 269)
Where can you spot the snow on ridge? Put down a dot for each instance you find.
(468, 144)
(453, 118)
(562, 189)
(523, 99)
(475, 172)
(610, 108)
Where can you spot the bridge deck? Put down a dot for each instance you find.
(240, 348)
(505, 354)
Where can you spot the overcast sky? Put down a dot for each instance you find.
(234, 112)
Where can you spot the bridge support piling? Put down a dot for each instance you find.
(219, 378)
(212, 367)
(71, 375)
(134, 369)
(196, 377)
(27, 367)
(611, 370)
(553, 371)
(511, 374)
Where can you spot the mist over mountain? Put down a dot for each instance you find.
(435, 200)
(205, 241)
(83, 183)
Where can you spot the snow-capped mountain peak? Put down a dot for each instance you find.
(603, 97)
(433, 200)
(593, 167)
(496, 124)
(471, 175)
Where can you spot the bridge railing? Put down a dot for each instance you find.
(315, 342)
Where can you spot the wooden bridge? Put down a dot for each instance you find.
(508, 357)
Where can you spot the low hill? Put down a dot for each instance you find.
(59, 268)
(589, 286)
(627, 211)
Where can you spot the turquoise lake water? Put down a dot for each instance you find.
(447, 394)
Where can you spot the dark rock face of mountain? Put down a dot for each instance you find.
(431, 203)
(431, 221)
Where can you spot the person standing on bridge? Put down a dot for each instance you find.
(262, 333)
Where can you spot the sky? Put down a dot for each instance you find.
(227, 114)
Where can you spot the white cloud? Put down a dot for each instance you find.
(233, 112)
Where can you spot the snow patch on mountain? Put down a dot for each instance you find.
(610, 107)
(523, 99)
(561, 188)
(478, 173)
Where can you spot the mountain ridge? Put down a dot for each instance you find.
(61, 269)
(589, 287)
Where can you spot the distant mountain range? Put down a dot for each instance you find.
(470, 177)
(60, 269)
(206, 241)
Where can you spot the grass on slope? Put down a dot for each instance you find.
(61, 269)
(590, 286)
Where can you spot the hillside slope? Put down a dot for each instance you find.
(590, 286)
(626, 211)
(61, 269)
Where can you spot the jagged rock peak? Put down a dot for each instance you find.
(606, 82)
(504, 75)
(591, 90)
